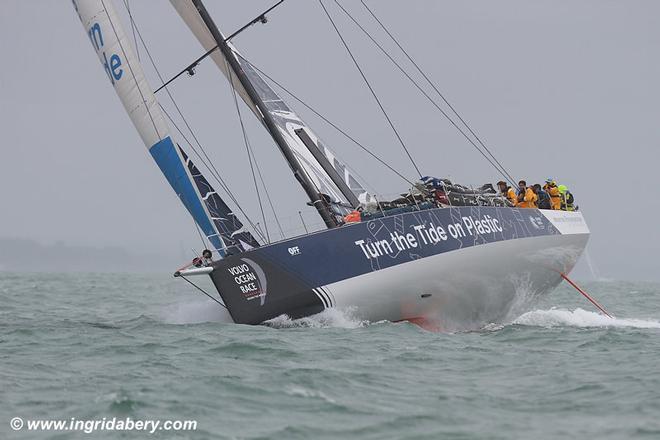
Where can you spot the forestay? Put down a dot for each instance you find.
(285, 119)
(125, 73)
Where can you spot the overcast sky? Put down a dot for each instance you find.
(559, 88)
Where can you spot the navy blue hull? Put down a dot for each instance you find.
(288, 277)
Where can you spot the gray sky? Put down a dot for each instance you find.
(560, 88)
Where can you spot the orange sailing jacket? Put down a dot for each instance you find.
(511, 195)
(530, 199)
(353, 217)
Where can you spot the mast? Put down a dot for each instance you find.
(298, 171)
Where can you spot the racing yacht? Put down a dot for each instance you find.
(458, 267)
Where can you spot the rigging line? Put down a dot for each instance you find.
(327, 121)
(201, 290)
(499, 168)
(217, 177)
(199, 232)
(130, 15)
(364, 77)
(302, 168)
(140, 91)
(248, 149)
(303, 222)
(190, 69)
(263, 184)
(262, 18)
(260, 231)
(209, 164)
(250, 154)
(185, 138)
(130, 69)
(209, 167)
(428, 80)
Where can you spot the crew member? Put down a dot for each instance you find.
(207, 257)
(555, 197)
(507, 192)
(567, 200)
(544, 197)
(526, 196)
(353, 216)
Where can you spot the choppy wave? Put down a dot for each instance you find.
(331, 375)
(329, 318)
(206, 311)
(195, 312)
(299, 391)
(579, 318)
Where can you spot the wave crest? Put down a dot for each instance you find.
(579, 318)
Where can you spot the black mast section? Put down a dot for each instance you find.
(299, 173)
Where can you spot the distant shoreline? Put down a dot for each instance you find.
(28, 256)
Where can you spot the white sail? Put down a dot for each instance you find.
(125, 73)
(122, 68)
(285, 119)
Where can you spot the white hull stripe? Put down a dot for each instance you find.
(330, 296)
(323, 296)
(325, 305)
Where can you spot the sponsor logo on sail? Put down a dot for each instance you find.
(111, 63)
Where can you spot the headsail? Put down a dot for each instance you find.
(228, 225)
(350, 191)
(127, 77)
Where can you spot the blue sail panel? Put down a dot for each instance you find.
(169, 162)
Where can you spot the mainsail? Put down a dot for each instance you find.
(111, 44)
(334, 179)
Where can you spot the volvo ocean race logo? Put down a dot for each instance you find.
(251, 280)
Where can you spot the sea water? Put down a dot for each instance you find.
(94, 347)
